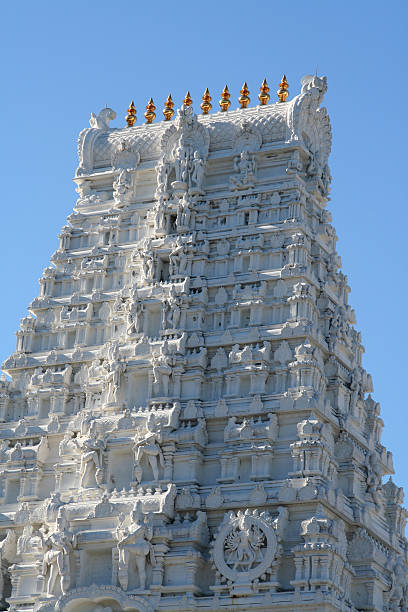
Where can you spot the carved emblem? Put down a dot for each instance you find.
(245, 546)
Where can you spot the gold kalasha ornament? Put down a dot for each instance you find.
(283, 90)
(225, 99)
(187, 100)
(244, 98)
(131, 116)
(264, 93)
(206, 105)
(168, 111)
(150, 114)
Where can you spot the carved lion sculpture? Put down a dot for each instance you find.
(102, 119)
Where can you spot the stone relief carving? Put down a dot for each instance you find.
(56, 563)
(244, 166)
(245, 547)
(148, 446)
(102, 120)
(92, 448)
(134, 541)
(122, 188)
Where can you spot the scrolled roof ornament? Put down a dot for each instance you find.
(245, 547)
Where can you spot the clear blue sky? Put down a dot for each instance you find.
(62, 60)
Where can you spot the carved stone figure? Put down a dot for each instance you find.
(174, 313)
(148, 446)
(134, 542)
(56, 563)
(92, 449)
(159, 216)
(178, 260)
(8, 552)
(102, 119)
(245, 546)
(162, 179)
(181, 164)
(135, 318)
(122, 188)
(398, 595)
(184, 213)
(161, 374)
(112, 378)
(197, 172)
(374, 477)
(244, 165)
(146, 255)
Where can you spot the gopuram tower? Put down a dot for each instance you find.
(186, 424)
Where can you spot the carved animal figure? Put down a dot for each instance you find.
(102, 119)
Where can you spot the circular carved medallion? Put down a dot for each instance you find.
(245, 546)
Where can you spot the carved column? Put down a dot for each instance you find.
(168, 454)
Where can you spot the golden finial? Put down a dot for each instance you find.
(187, 100)
(283, 90)
(225, 99)
(168, 111)
(131, 116)
(244, 98)
(150, 114)
(206, 105)
(264, 93)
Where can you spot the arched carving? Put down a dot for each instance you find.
(86, 141)
(186, 132)
(249, 138)
(87, 599)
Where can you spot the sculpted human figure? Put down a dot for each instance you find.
(135, 542)
(161, 374)
(165, 313)
(162, 178)
(181, 161)
(174, 313)
(147, 262)
(183, 212)
(355, 387)
(159, 216)
(92, 449)
(398, 595)
(244, 164)
(57, 547)
(178, 260)
(374, 477)
(243, 545)
(112, 378)
(148, 446)
(122, 186)
(197, 170)
(135, 318)
(8, 550)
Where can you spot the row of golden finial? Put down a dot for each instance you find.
(206, 105)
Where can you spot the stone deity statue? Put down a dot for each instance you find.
(57, 548)
(197, 171)
(92, 449)
(244, 165)
(135, 542)
(148, 446)
(135, 318)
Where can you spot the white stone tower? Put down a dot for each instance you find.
(186, 424)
